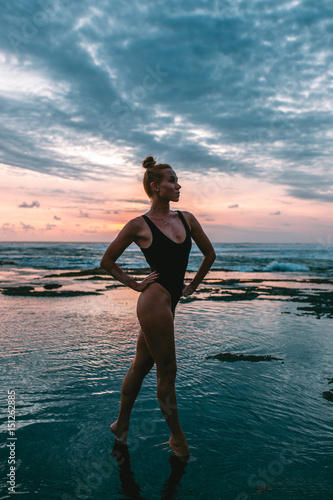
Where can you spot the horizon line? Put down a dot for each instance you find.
(213, 242)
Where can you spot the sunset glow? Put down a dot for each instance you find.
(39, 207)
(87, 96)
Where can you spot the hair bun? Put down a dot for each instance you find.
(149, 162)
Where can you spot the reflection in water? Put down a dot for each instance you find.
(170, 485)
(131, 489)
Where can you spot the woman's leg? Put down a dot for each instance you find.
(158, 328)
(141, 365)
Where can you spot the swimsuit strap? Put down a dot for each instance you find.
(182, 218)
(150, 223)
(153, 226)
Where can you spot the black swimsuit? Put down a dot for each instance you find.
(169, 259)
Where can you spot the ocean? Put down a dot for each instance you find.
(243, 257)
(254, 384)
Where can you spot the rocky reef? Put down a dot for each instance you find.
(29, 291)
(231, 357)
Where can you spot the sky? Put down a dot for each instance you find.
(235, 95)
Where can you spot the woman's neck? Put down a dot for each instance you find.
(160, 208)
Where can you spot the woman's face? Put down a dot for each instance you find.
(169, 187)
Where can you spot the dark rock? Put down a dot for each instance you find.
(28, 291)
(97, 271)
(316, 302)
(63, 293)
(228, 356)
(247, 295)
(52, 286)
(18, 290)
(189, 298)
(95, 278)
(328, 395)
(321, 281)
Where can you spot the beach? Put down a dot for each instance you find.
(254, 383)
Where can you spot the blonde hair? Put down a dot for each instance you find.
(153, 173)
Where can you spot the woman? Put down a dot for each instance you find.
(164, 237)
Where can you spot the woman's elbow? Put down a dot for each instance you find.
(107, 263)
(104, 263)
(211, 255)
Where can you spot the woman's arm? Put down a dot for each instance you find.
(127, 235)
(206, 249)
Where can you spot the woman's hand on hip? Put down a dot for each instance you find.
(188, 290)
(147, 281)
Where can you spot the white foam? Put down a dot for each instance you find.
(285, 266)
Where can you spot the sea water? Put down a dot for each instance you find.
(252, 427)
(317, 258)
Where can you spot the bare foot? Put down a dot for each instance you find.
(179, 448)
(120, 435)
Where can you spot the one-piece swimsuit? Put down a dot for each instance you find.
(168, 258)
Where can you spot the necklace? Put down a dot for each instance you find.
(165, 223)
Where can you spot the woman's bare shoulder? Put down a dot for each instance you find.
(134, 225)
(190, 219)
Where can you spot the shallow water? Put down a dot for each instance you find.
(252, 428)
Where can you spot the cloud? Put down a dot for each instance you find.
(284, 202)
(8, 228)
(73, 196)
(56, 217)
(49, 227)
(237, 86)
(83, 215)
(144, 202)
(275, 213)
(33, 204)
(233, 206)
(311, 194)
(27, 227)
